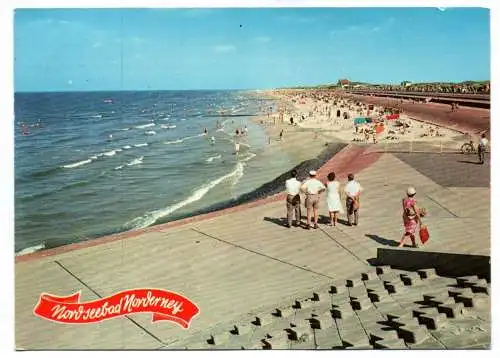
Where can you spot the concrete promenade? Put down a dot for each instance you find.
(244, 261)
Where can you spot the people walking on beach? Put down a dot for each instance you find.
(312, 188)
(333, 198)
(293, 199)
(353, 191)
(481, 148)
(411, 217)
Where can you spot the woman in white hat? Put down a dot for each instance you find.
(411, 217)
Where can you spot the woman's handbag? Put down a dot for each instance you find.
(423, 233)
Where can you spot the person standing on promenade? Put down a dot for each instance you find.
(333, 198)
(353, 191)
(293, 199)
(483, 143)
(312, 188)
(411, 217)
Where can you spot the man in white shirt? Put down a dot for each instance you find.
(483, 143)
(352, 190)
(293, 199)
(312, 187)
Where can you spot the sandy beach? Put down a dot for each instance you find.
(323, 118)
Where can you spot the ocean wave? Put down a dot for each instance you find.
(150, 218)
(119, 167)
(174, 141)
(124, 129)
(211, 159)
(146, 125)
(110, 153)
(31, 249)
(94, 157)
(150, 133)
(78, 164)
(249, 157)
(168, 126)
(127, 147)
(141, 145)
(180, 140)
(135, 161)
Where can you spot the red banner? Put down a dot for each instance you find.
(164, 306)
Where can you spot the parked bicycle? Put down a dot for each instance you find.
(468, 148)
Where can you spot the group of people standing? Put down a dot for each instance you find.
(311, 189)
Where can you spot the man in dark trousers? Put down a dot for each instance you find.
(293, 199)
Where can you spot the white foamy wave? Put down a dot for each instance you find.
(151, 217)
(180, 140)
(110, 153)
(141, 145)
(238, 173)
(78, 164)
(127, 147)
(119, 167)
(135, 161)
(31, 249)
(150, 133)
(220, 130)
(146, 125)
(93, 157)
(174, 141)
(119, 150)
(168, 126)
(211, 159)
(183, 119)
(124, 129)
(249, 157)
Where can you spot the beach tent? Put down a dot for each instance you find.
(392, 117)
(361, 120)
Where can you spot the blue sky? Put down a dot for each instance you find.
(139, 49)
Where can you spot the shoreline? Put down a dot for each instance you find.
(313, 150)
(343, 162)
(271, 186)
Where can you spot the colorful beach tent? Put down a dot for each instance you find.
(361, 120)
(392, 117)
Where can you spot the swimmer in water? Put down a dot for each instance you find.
(205, 131)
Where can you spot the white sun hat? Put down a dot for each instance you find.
(312, 173)
(411, 191)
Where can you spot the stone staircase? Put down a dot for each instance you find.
(381, 308)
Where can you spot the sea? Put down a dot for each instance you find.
(89, 164)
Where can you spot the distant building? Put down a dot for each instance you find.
(343, 83)
(406, 83)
